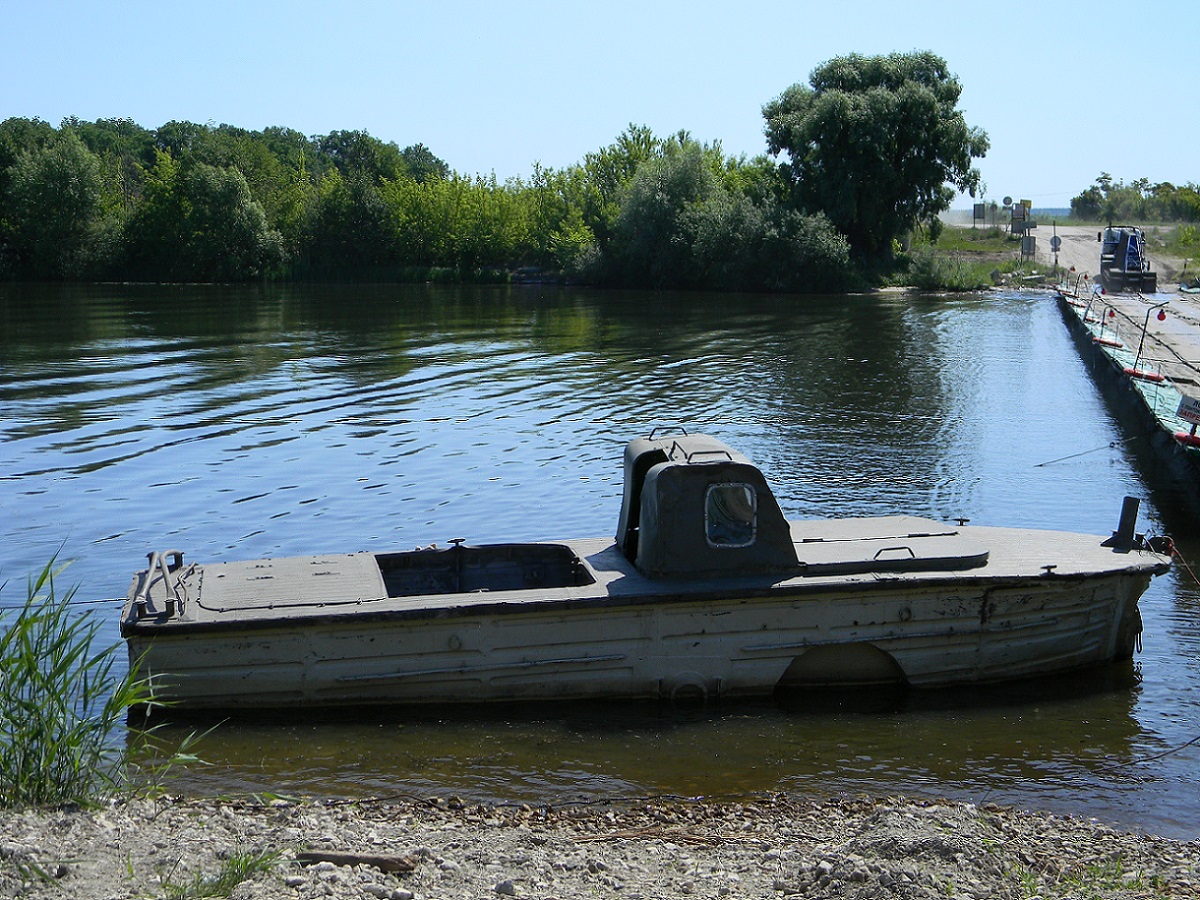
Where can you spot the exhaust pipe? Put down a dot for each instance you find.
(1122, 540)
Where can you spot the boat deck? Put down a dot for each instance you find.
(842, 555)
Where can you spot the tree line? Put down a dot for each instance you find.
(866, 150)
(1140, 201)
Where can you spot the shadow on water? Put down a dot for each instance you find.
(896, 698)
(814, 742)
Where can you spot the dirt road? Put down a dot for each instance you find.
(1081, 250)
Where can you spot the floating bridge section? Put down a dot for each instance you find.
(1145, 354)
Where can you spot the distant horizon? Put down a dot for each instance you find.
(1036, 211)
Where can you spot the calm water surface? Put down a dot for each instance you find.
(239, 423)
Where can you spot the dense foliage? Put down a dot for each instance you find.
(874, 144)
(187, 202)
(1114, 201)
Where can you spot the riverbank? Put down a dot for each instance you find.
(966, 259)
(769, 847)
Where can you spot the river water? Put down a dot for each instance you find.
(237, 423)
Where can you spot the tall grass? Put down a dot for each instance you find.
(234, 870)
(62, 703)
(1184, 241)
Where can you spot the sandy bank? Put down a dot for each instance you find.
(772, 847)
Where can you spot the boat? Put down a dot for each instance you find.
(1124, 265)
(707, 591)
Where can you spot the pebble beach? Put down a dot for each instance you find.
(393, 849)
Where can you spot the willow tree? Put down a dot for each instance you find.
(876, 143)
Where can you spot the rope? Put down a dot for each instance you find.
(18, 606)
(1111, 445)
(1183, 562)
(1155, 756)
(1151, 336)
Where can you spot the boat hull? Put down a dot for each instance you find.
(922, 633)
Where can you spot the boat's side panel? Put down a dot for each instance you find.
(1022, 632)
(235, 671)
(935, 635)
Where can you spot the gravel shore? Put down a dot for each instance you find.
(441, 850)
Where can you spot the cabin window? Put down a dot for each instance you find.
(730, 515)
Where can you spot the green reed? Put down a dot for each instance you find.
(235, 869)
(62, 703)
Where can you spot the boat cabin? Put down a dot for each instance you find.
(695, 506)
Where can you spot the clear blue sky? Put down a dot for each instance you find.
(1064, 89)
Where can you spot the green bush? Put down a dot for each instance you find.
(62, 703)
(1184, 241)
(937, 272)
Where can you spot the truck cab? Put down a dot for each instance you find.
(1123, 262)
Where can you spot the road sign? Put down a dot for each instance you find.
(1189, 409)
(1055, 243)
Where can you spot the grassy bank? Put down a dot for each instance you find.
(1182, 241)
(962, 259)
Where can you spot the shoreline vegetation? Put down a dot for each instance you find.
(822, 210)
(63, 703)
(962, 259)
(858, 157)
(185, 203)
